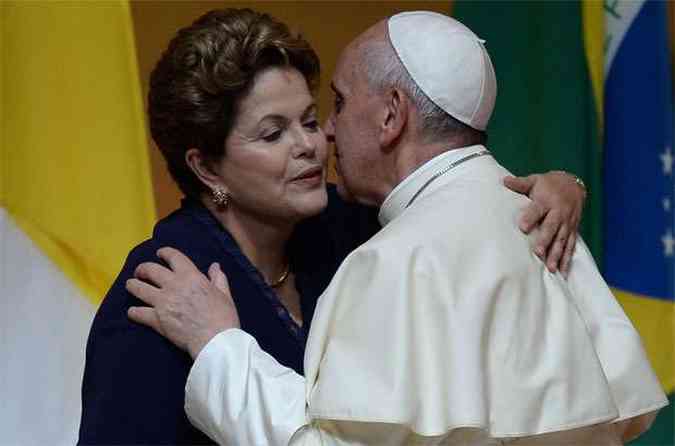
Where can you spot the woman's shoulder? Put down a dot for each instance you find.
(181, 222)
(178, 230)
(113, 308)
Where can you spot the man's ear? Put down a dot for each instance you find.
(202, 169)
(396, 117)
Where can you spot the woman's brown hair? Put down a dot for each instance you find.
(207, 68)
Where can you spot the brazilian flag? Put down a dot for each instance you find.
(638, 179)
(587, 86)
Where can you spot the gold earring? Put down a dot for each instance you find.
(220, 197)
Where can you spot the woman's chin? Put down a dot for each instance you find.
(311, 203)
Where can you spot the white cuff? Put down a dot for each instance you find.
(238, 394)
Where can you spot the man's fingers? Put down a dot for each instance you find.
(154, 273)
(219, 279)
(531, 216)
(569, 252)
(146, 316)
(144, 291)
(522, 185)
(176, 259)
(548, 230)
(576, 219)
(557, 250)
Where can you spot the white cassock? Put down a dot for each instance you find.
(444, 328)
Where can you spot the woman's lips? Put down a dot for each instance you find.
(310, 177)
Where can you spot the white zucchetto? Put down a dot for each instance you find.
(448, 62)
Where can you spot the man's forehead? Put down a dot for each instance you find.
(343, 71)
(350, 63)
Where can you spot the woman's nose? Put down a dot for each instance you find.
(305, 143)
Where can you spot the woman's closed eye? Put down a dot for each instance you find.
(272, 135)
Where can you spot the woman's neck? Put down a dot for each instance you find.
(262, 241)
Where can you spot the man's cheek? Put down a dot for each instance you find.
(342, 189)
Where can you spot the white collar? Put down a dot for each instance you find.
(398, 199)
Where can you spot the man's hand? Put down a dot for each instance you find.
(185, 306)
(557, 203)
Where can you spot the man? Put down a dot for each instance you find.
(443, 328)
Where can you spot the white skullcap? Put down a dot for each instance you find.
(448, 62)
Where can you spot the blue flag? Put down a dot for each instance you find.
(639, 232)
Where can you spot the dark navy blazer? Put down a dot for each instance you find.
(134, 380)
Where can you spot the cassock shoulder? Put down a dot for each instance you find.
(467, 225)
(447, 318)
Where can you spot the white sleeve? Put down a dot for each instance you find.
(239, 395)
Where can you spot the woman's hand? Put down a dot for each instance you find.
(186, 307)
(557, 203)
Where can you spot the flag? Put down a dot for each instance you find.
(545, 116)
(75, 197)
(638, 180)
(586, 87)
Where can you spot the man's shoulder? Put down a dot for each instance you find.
(470, 222)
(466, 204)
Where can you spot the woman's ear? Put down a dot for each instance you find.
(395, 117)
(202, 169)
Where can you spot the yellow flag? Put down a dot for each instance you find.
(76, 174)
(75, 197)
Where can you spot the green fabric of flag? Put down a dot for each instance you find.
(545, 116)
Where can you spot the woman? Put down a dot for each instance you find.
(231, 110)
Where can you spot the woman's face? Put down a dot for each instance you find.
(275, 155)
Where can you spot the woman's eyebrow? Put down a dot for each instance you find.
(311, 108)
(275, 118)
